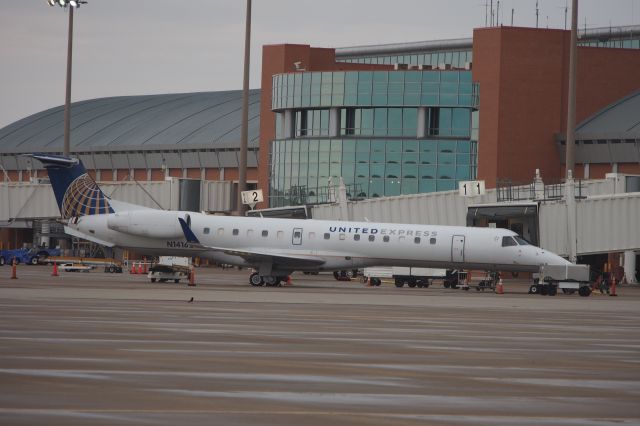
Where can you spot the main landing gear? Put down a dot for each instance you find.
(258, 280)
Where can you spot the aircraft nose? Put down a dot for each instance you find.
(552, 258)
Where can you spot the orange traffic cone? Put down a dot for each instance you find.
(192, 278)
(368, 281)
(499, 287)
(139, 267)
(146, 267)
(289, 282)
(133, 268)
(55, 270)
(14, 270)
(613, 287)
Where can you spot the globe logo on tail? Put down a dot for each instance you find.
(83, 197)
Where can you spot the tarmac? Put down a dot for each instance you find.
(115, 349)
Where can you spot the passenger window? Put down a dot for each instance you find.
(508, 242)
(416, 240)
(385, 238)
(342, 236)
(206, 230)
(265, 233)
(280, 235)
(327, 235)
(220, 231)
(356, 237)
(312, 235)
(432, 241)
(372, 237)
(236, 231)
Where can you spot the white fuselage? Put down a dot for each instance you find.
(337, 244)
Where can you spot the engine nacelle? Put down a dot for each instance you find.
(148, 223)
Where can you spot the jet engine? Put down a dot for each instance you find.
(148, 223)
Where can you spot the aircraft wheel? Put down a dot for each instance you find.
(256, 280)
(270, 280)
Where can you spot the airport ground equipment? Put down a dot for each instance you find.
(75, 267)
(568, 278)
(28, 256)
(412, 277)
(454, 278)
(345, 275)
(488, 282)
(170, 268)
(110, 265)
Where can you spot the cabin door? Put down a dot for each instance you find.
(457, 248)
(296, 239)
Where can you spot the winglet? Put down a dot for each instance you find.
(188, 233)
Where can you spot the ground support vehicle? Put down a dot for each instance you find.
(345, 275)
(412, 277)
(454, 278)
(110, 265)
(488, 282)
(74, 267)
(170, 268)
(568, 278)
(28, 256)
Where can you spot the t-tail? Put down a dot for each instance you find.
(77, 194)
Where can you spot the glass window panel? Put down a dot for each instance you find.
(376, 187)
(395, 125)
(446, 172)
(362, 170)
(463, 172)
(449, 76)
(447, 146)
(348, 171)
(380, 121)
(363, 146)
(380, 77)
(394, 146)
(410, 121)
(444, 122)
(409, 171)
(446, 185)
(377, 170)
(367, 121)
(460, 122)
(428, 157)
(377, 157)
(409, 186)
(362, 157)
(427, 172)
(410, 146)
(393, 170)
(427, 185)
(392, 187)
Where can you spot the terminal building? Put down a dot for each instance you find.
(401, 120)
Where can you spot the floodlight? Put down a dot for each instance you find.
(62, 3)
(51, 2)
(73, 3)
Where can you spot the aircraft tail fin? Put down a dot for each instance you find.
(77, 194)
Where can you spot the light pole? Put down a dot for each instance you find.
(68, 4)
(242, 175)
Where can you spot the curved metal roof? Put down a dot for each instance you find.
(205, 120)
(620, 120)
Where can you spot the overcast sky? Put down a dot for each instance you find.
(160, 46)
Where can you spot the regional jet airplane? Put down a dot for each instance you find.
(277, 247)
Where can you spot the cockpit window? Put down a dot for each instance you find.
(508, 241)
(522, 241)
